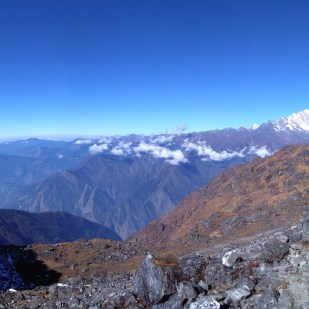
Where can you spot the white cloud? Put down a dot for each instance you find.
(117, 151)
(208, 153)
(105, 140)
(83, 141)
(126, 146)
(122, 149)
(94, 149)
(172, 156)
(143, 147)
(260, 151)
(177, 157)
(61, 156)
(160, 139)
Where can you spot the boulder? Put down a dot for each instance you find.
(187, 290)
(217, 275)
(274, 250)
(267, 300)
(174, 302)
(241, 291)
(295, 233)
(238, 294)
(229, 258)
(153, 283)
(305, 230)
(192, 266)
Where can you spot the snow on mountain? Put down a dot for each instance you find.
(295, 122)
(217, 145)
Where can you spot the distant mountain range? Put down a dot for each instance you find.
(23, 228)
(123, 193)
(124, 182)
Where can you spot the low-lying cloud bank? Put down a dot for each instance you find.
(122, 149)
(160, 147)
(83, 141)
(260, 151)
(172, 156)
(209, 154)
(95, 149)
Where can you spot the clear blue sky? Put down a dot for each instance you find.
(144, 66)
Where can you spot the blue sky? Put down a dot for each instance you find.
(134, 66)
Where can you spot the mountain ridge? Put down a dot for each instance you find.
(119, 192)
(242, 199)
(23, 228)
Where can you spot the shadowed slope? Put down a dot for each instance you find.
(23, 228)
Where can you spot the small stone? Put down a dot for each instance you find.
(203, 285)
(238, 294)
(187, 290)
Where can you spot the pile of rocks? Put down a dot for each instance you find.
(267, 273)
(270, 273)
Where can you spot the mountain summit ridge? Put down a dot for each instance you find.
(295, 122)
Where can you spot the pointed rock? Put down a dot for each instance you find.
(153, 283)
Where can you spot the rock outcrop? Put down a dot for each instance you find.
(154, 283)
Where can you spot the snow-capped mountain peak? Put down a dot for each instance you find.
(254, 126)
(295, 122)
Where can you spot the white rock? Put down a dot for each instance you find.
(230, 258)
(205, 303)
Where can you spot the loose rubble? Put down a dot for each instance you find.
(267, 273)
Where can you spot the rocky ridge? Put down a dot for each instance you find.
(271, 272)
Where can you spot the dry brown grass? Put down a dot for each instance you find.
(284, 285)
(166, 262)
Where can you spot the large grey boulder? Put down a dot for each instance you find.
(275, 249)
(217, 276)
(267, 300)
(192, 266)
(153, 283)
(187, 293)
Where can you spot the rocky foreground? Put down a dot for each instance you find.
(270, 272)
